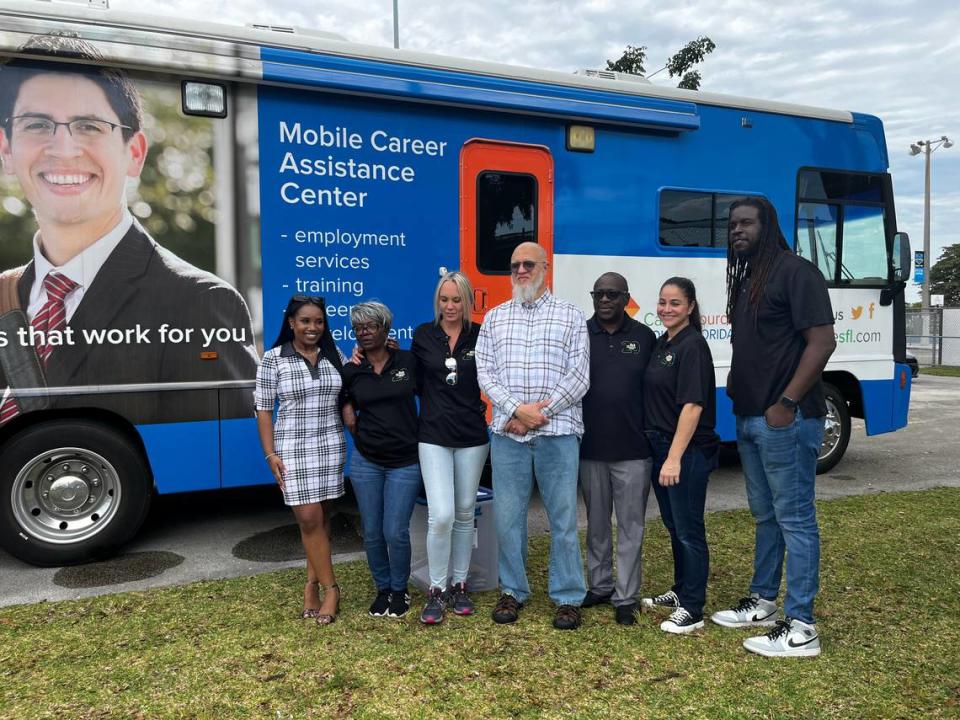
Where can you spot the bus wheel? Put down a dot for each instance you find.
(70, 491)
(836, 430)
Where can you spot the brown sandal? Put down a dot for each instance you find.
(310, 613)
(323, 618)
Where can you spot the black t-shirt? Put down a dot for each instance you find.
(680, 371)
(386, 409)
(450, 415)
(767, 345)
(613, 407)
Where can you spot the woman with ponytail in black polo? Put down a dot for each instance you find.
(680, 397)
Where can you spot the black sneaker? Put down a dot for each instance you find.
(379, 607)
(434, 609)
(458, 598)
(399, 603)
(681, 622)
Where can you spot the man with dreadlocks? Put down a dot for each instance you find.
(782, 325)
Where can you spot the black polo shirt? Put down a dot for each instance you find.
(680, 371)
(613, 406)
(450, 415)
(767, 345)
(386, 409)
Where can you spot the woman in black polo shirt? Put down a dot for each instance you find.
(680, 416)
(384, 469)
(453, 441)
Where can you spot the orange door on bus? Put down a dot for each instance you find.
(506, 198)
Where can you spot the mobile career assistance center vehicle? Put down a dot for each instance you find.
(187, 178)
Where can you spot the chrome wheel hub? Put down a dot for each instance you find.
(65, 495)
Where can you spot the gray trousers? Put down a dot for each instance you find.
(623, 488)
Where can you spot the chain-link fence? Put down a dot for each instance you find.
(933, 336)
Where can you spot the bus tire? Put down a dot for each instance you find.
(836, 430)
(71, 491)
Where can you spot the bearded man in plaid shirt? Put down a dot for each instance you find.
(533, 362)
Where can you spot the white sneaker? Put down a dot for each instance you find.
(789, 638)
(681, 622)
(751, 611)
(668, 600)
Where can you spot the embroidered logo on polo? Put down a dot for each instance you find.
(469, 354)
(630, 347)
(667, 358)
(399, 375)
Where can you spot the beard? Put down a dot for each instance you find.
(528, 292)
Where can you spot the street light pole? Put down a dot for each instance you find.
(396, 24)
(927, 147)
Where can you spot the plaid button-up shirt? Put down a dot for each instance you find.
(532, 352)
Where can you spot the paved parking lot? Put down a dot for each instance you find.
(218, 535)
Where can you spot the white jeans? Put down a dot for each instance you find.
(450, 477)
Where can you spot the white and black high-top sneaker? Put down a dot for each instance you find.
(789, 638)
(751, 611)
(669, 599)
(681, 622)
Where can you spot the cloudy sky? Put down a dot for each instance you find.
(898, 59)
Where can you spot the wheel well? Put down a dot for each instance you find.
(849, 387)
(104, 417)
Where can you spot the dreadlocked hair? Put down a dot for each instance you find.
(761, 263)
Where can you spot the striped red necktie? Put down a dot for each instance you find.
(52, 317)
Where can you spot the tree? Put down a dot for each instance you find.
(945, 276)
(679, 64)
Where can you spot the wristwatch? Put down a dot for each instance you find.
(789, 402)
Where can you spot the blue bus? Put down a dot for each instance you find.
(188, 178)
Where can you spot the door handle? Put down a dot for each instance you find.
(480, 299)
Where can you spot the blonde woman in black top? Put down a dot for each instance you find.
(453, 441)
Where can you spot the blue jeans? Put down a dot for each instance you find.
(780, 467)
(386, 497)
(681, 509)
(450, 478)
(554, 460)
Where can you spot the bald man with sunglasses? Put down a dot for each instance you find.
(533, 362)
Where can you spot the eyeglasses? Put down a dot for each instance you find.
(365, 328)
(451, 365)
(527, 265)
(608, 294)
(307, 298)
(86, 130)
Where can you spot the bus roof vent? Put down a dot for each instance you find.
(612, 75)
(291, 30)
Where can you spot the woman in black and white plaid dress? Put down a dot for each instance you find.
(305, 448)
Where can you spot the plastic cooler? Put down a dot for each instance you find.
(483, 562)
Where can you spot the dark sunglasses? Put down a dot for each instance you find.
(609, 294)
(527, 265)
(307, 298)
(451, 365)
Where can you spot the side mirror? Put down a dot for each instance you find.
(902, 257)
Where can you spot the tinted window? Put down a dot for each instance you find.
(506, 217)
(686, 219)
(864, 252)
(840, 186)
(694, 219)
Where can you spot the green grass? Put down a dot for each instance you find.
(888, 612)
(941, 370)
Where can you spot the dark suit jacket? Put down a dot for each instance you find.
(144, 284)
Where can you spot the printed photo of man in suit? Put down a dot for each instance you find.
(123, 310)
